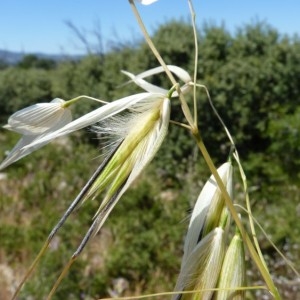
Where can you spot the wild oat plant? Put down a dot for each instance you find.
(213, 264)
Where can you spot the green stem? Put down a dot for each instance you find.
(185, 108)
(263, 270)
(193, 15)
(72, 101)
(236, 156)
(251, 222)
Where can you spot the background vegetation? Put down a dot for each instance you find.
(253, 78)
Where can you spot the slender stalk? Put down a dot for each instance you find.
(150, 43)
(243, 175)
(289, 263)
(70, 102)
(181, 124)
(60, 278)
(193, 15)
(251, 222)
(248, 288)
(30, 270)
(185, 108)
(263, 270)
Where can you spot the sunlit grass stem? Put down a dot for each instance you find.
(242, 173)
(72, 101)
(193, 15)
(248, 288)
(185, 108)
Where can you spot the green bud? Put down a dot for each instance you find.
(201, 270)
(210, 210)
(233, 272)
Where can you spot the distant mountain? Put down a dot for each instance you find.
(12, 58)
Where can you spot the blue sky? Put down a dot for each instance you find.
(39, 26)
